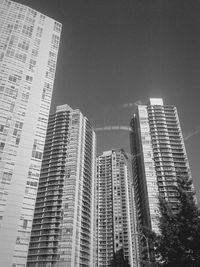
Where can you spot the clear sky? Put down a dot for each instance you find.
(115, 54)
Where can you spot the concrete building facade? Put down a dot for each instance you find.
(116, 214)
(63, 232)
(28, 54)
(159, 157)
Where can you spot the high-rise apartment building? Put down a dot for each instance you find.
(63, 229)
(116, 215)
(159, 157)
(28, 54)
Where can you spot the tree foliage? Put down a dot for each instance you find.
(148, 253)
(118, 260)
(178, 243)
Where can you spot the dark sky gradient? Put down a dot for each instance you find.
(115, 52)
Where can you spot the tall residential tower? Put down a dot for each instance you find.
(28, 54)
(159, 156)
(63, 229)
(116, 215)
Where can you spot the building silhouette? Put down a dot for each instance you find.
(116, 215)
(63, 232)
(159, 157)
(28, 54)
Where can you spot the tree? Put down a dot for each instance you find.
(118, 260)
(179, 241)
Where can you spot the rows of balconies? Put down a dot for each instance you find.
(165, 129)
(86, 214)
(43, 251)
(49, 161)
(85, 236)
(58, 121)
(87, 198)
(86, 209)
(167, 188)
(49, 197)
(167, 162)
(50, 214)
(87, 192)
(50, 191)
(59, 116)
(41, 221)
(54, 146)
(48, 164)
(54, 154)
(58, 135)
(40, 233)
(58, 139)
(86, 203)
(58, 124)
(50, 184)
(51, 177)
(87, 182)
(47, 203)
(46, 226)
(42, 258)
(48, 209)
(41, 239)
(43, 245)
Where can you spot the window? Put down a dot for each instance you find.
(68, 230)
(39, 32)
(10, 52)
(7, 176)
(37, 155)
(29, 78)
(25, 96)
(12, 105)
(27, 30)
(24, 45)
(25, 224)
(30, 183)
(52, 55)
(55, 41)
(12, 78)
(35, 52)
(15, 132)
(57, 27)
(32, 64)
(20, 57)
(2, 145)
(17, 140)
(1, 128)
